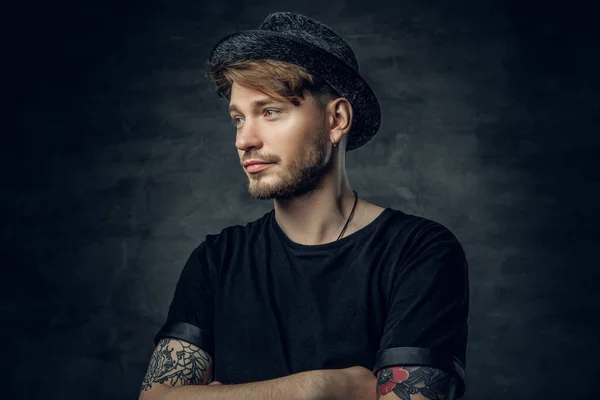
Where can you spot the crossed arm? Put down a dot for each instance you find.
(181, 370)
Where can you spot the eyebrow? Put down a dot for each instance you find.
(255, 104)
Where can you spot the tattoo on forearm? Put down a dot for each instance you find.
(187, 368)
(430, 382)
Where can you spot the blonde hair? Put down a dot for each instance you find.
(277, 79)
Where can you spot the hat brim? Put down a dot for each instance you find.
(262, 44)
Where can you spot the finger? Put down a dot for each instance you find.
(215, 383)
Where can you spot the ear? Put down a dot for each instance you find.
(340, 115)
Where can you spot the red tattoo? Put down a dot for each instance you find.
(388, 378)
(404, 382)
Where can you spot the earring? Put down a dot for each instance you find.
(333, 143)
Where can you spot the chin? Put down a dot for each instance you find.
(260, 191)
(282, 190)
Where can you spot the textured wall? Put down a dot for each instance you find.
(122, 159)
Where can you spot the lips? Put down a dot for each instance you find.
(257, 167)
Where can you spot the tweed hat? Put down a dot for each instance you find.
(303, 41)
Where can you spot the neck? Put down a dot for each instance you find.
(319, 216)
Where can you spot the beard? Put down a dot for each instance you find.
(304, 176)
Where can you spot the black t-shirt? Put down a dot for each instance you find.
(393, 293)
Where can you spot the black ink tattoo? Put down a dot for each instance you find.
(187, 369)
(430, 382)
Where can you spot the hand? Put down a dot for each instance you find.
(359, 383)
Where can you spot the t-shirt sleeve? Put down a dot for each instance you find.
(190, 315)
(426, 322)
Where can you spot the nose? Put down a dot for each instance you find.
(247, 136)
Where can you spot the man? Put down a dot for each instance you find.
(327, 296)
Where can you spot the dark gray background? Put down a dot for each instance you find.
(121, 159)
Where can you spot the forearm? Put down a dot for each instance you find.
(309, 385)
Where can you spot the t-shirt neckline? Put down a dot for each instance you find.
(336, 243)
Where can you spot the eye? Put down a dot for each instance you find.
(271, 110)
(235, 121)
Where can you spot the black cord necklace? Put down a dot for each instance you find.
(351, 214)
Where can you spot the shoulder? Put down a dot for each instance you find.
(220, 248)
(418, 228)
(417, 236)
(236, 236)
